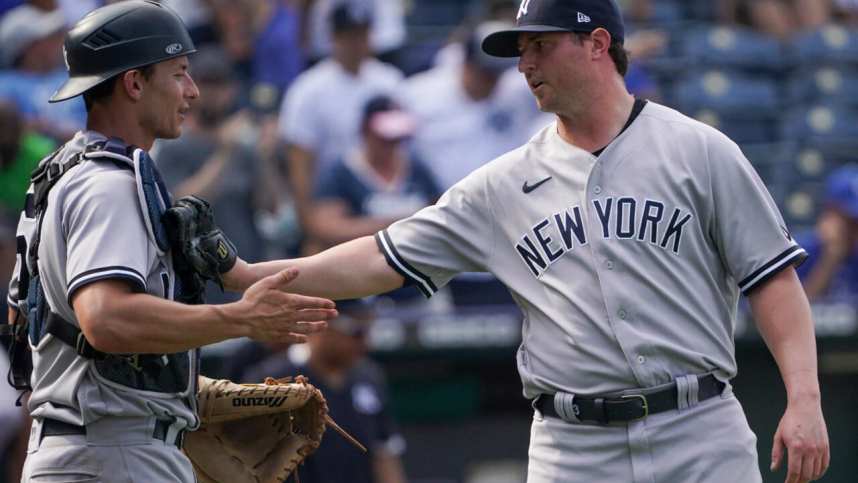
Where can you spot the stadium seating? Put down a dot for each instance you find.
(828, 45)
(731, 47)
(744, 107)
(831, 125)
(836, 84)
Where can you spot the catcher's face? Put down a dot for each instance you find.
(167, 97)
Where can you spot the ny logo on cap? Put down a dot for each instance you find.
(522, 10)
(583, 18)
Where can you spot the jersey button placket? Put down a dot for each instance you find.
(597, 190)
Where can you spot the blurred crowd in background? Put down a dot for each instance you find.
(320, 121)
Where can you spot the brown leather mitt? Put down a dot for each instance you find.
(256, 433)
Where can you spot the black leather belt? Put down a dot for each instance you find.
(629, 407)
(53, 427)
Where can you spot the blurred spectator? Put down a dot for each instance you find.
(197, 16)
(31, 53)
(469, 111)
(846, 10)
(356, 393)
(636, 11)
(387, 32)
(263, 40)
(321, 112)
(831, 271)
(778, 18)
(217, 158)
(20, 153)
(375, 185)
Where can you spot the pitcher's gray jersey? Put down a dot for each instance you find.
(627, 266)
(93, 229)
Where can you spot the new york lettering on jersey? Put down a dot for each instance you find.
(624, 218)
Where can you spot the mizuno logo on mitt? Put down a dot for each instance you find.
(272, 402)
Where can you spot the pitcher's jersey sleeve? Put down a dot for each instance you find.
(746, 225)
(105, 235)
(438, 242)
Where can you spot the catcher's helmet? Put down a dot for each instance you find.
(120, 37)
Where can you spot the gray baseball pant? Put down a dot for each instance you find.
(125, 454)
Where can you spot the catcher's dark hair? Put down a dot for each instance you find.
(617, 51)
(102, 91)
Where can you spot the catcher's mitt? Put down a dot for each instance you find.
(256, 432)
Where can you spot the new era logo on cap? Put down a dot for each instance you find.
(583, 18)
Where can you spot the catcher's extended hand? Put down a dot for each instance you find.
(256, 432)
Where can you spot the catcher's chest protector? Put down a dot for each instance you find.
(167, 373)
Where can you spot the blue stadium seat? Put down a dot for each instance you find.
(666, 13)
(740, 129)
(734, 47)
(700, 9)
(830, 44)
(831, 84)
(814, 162)
(728, 93)
(437, 13)
(802, 204)
(822, 124)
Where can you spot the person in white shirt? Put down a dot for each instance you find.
(387, 32)
(469, 111)
(320, 115)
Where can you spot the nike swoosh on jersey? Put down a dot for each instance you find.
(528, 188)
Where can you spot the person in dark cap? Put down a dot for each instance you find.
(376, 184)
(626, 232)
(831, 270)
(321, 113)
(336, 362)
(114, 352)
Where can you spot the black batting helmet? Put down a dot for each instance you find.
(119, 37)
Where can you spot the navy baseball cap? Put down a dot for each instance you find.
(557, 16)
(842, 190)
(351, 16)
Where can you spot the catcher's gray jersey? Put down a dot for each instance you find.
(94, 229)
(627, 265)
